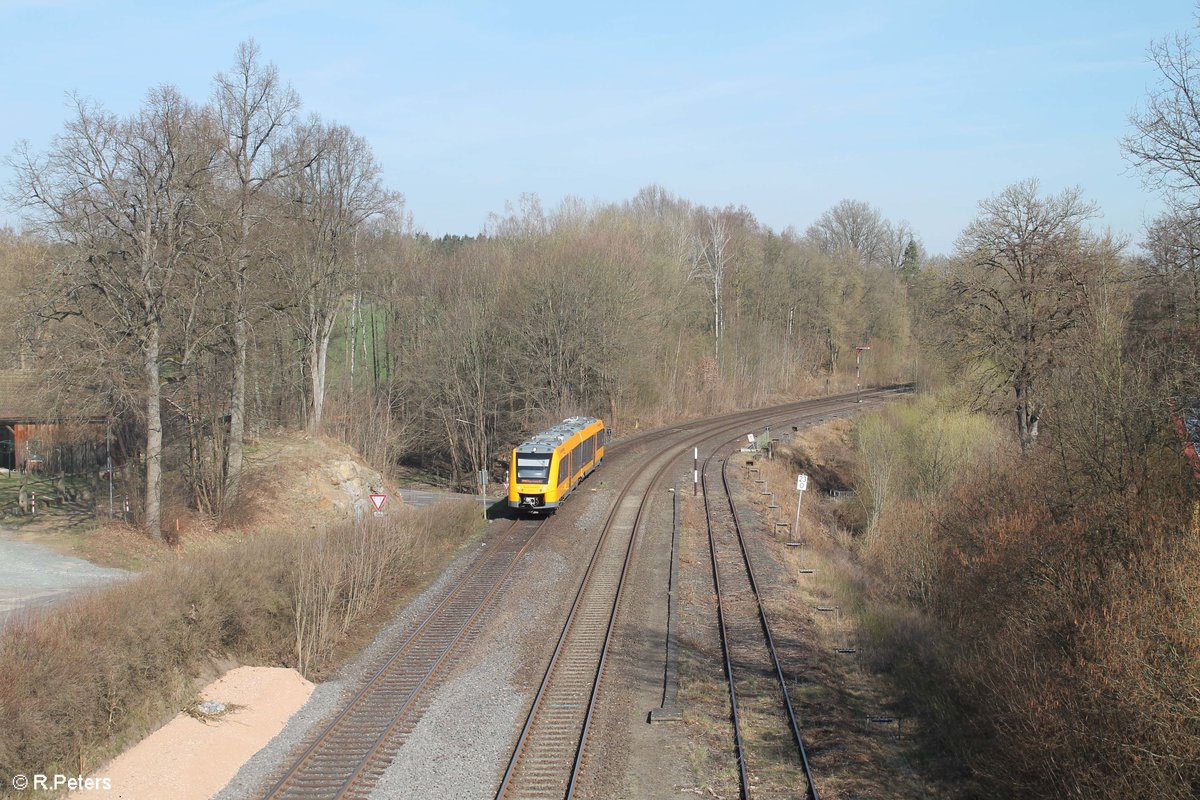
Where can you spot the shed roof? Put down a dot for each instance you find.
(19, 399)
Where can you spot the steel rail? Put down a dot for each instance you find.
(766, 627)
(354, 744)
(738, 747)
(764, 623)
(706, 429)
(520, 751)
(735, 717)
(373, 734)
(687, 426)
(666, 458)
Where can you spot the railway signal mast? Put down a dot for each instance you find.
(858, 351)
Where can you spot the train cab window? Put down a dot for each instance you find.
(533, 468)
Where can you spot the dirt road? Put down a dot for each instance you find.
(33, 576)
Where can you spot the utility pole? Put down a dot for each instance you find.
(858, 351)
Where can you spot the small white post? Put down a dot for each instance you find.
(801, 487)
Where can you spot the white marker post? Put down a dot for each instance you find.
(801, 487)
(695, 470)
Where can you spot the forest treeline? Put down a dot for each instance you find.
(202, 270)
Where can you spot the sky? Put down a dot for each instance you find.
(921, 109)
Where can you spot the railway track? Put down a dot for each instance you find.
(546, 761)
(352, 751)
(754, 676)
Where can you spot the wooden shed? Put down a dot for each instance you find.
(31, 439)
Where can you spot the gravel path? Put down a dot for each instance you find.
(33, 576)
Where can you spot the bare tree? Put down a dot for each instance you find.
(858, 228)
(1173, 265)
(124, 196)
(1165, 146)
(1166, 142)
(705, 250)
(896, 238)
(525, 220)
(851, 226)
(254, 110)
(332, 193)
(1024, 266)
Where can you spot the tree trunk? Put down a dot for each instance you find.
(318, 352)
(352, 337)
(1027, 419)
(717, 324)
(237, 406)
(152, 519)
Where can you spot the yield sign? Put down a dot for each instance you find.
(378, 499)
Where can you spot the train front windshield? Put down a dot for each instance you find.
(533, 470)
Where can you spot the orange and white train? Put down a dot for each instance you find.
(547, 467)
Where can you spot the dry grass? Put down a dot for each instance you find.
(94, 674)
(835, 693)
